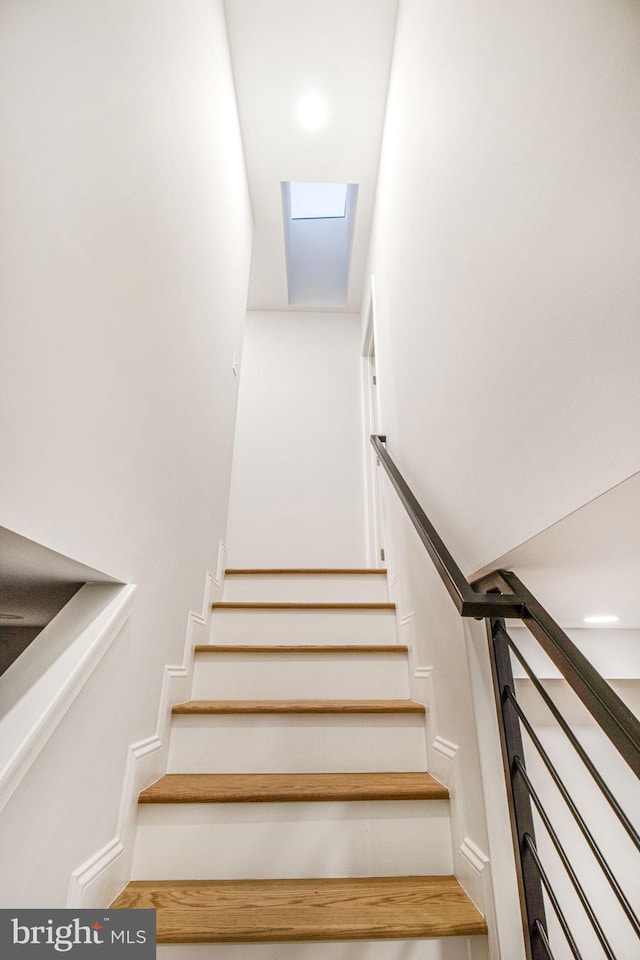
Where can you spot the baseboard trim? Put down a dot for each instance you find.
(97, 881)
(446, 748)
(145, 748)
(474, 855)
(471, 870)
(223, 551)
(89, 872)
(423, 673)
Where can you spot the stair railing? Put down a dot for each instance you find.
(496, 597)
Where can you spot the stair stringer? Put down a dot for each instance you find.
(99, 879)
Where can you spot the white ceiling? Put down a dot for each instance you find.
(282, 50)
(589, 562)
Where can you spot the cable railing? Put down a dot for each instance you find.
(542, 881)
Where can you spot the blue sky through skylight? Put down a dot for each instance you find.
(316, 201)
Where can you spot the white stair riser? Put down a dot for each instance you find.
(303, 626)
(232, 841)
(448, 948)
(335, 588)
(324, 676)
(275, 743)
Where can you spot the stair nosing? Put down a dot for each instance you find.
(306, 909)
(305, 571)
(307, 707)
(204, 788)
(297, 605)
(322, 648)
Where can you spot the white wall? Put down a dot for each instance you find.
(125, 242)
(297, 489)
(504, 254)
(505, 259)
(451, 675)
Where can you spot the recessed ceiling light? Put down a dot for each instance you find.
(602, 618)
(312, 111)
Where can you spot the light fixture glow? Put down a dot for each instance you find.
(602, 618)
(312, 111)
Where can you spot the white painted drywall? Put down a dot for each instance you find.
(283, 50)
(297, 487)
(505, 256)
(451, 675)
(125, 243)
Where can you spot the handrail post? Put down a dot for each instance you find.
(520, 809)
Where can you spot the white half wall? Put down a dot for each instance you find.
(125, 243)
(451, 675)
(297, 490)
(505, 253)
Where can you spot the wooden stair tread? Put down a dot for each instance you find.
(301, 648)
(297, 605)
(254, 911)
(305, 571)
(291, 787)
(203, 707)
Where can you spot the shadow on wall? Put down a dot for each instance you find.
(35, 584)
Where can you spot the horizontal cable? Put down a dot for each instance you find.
(566, 863)
(552, 897)
(575, 743)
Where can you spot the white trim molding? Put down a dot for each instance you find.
(423, 673)
(422, 689)
(98, 880)
(474, 855)
(223, 550)
(446, 748)
(92, 869)
(471, 869)
(441, 761)
(39, 688)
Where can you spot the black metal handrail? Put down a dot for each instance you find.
(495, 597)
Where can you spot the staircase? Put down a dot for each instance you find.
(297, 818)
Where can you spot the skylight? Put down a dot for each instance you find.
(318, 201)
(319, 220)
